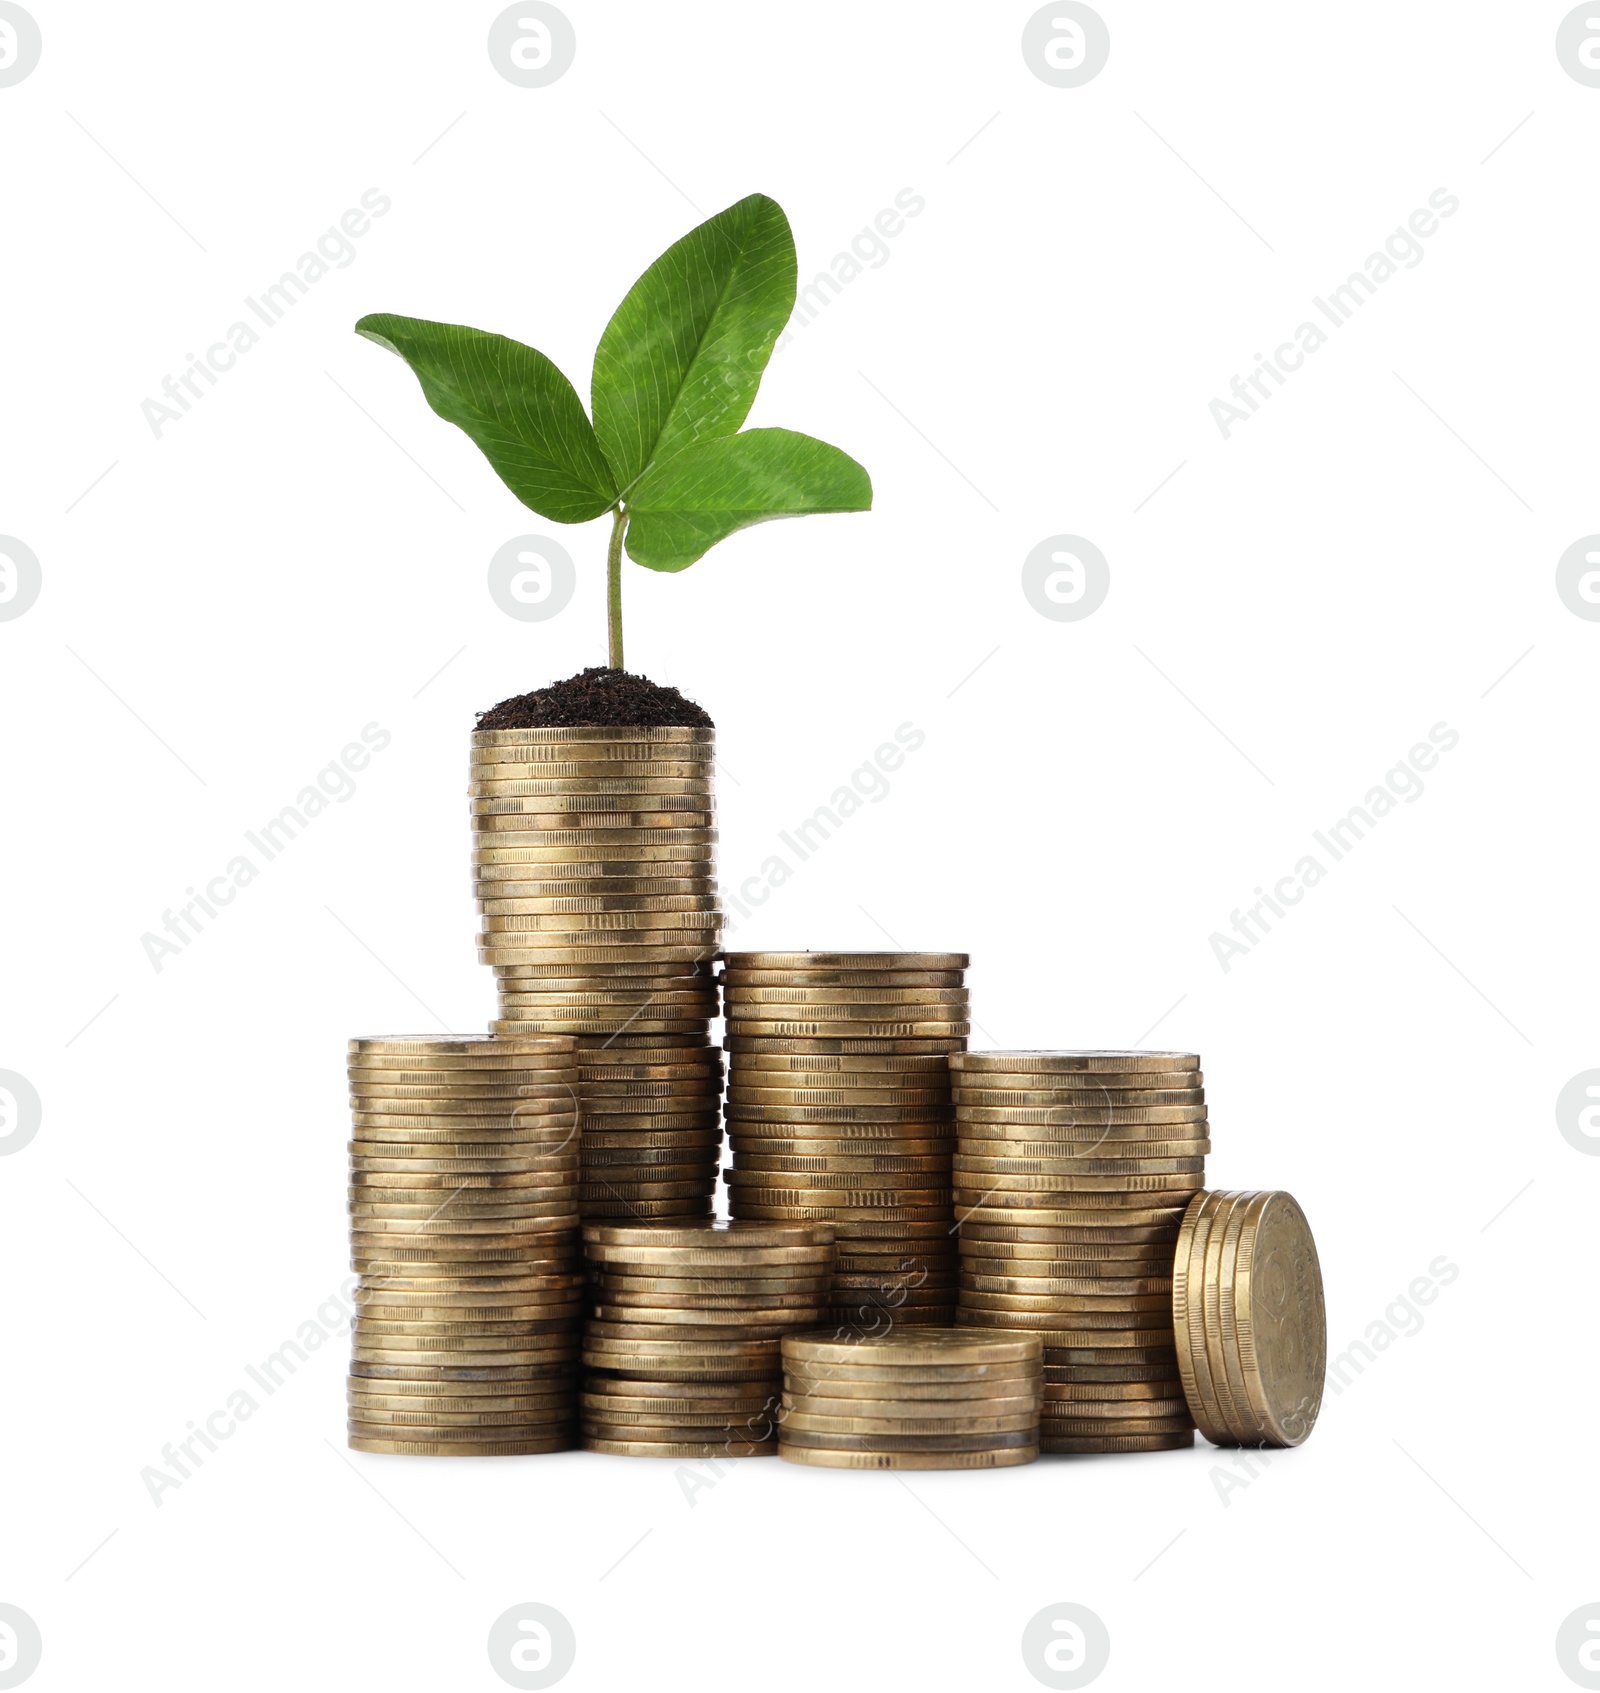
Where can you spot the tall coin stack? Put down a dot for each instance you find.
(464, 1231)
(684, 1339)
(1072, 1172)
(923, 1399)
(839, 1110)
(594, 866)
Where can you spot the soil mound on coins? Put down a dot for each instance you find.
(597, 697)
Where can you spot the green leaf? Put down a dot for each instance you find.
(515, 404)
(682, 356)
(686, 504)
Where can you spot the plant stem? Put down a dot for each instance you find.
(619, 527)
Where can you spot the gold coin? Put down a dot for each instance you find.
(1116, 1230)
(844, 1388)
(808, 1068)
(588, 903)
(804, 961)
(530, 882)
(1074, 1167)
(471, 1046)
(631, 853)
(1073, 1304)
(495, 929)
(591, 838)
(762, 1028)
(1107, 1393)
(1087, 1117)
(469, 1184)
(1108, 1410)
(640, 1342)
(457, 1377)
(740, 994)
(909, 1113)
(1038, 1287)
(743, 1094)
(806, 1144)
(728, 1448)
(476, 1407)
(841, 978)
(1102, 1328)
(404, 1160)
(1059, 1062)
(843, 1163)
(563, 1442)
(1034, 1098)
(837, 1212)
(1076, 1208)
(1163, 1375)
(821, 1458)
(795, 1423)
(1060, 1444)
(1124, 1153)
(940, 1348)
(724, 1243)
(491, 777)
(995, 1441)
(830, 1046)
(594, 954)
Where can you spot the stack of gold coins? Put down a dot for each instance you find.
(686, 1327)
(922, 1399)
(464, 1231)
(594, 869)
(1252, 1331)
(839, 1109)
(1072, 1172)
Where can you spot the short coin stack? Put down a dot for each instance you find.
(684, 1341)
(921, 1399)
(1072, 1172)
(464, 1230)
(594, 865)
(1252, 1331)
(839, 1108)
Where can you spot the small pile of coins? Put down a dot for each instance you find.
(1071, 1176)
(1247, 1306)
(594, 868)
(921, 1399)
(464, 1231)
(685, 1330)
(839, 1109)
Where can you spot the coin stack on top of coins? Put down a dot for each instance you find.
(685, 1335)
(593, 859)
(464, 1231)
(1252, 1332)
(921, 1399)
(839, 1109)
(1072, 1172)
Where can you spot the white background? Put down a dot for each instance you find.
(229, 603)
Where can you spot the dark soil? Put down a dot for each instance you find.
(597, 696)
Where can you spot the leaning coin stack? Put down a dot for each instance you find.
(839, 1109)
(464, 1231)
(686, 1327)
(1072, 1171)
(1252, 1331)
(923, 1399)
(594, 869)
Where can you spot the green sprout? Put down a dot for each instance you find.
(675, 375)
